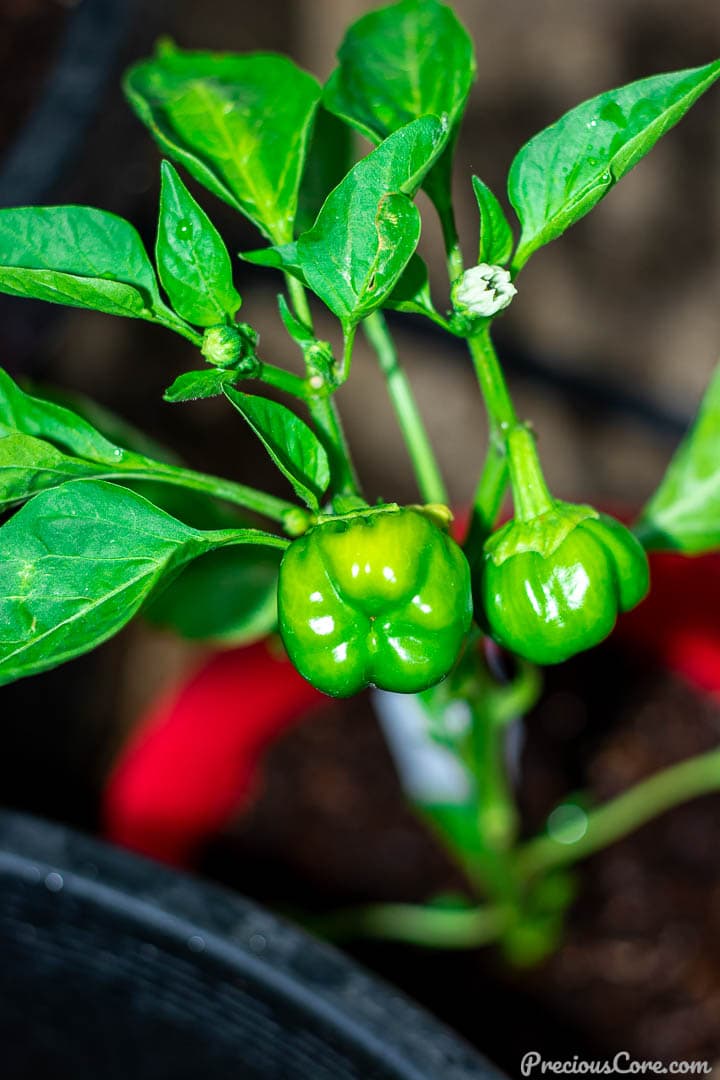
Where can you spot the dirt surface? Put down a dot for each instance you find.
(639, 970)
(29, 35)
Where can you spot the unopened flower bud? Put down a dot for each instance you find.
(226, 346)
(483, 291)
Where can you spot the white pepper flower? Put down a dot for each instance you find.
(483, 291)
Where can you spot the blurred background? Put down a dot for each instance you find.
(608, 345)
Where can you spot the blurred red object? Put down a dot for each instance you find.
(191, 764)
(193, 759)
(678, 626)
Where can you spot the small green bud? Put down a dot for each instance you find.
(482, 291)
(226, 346)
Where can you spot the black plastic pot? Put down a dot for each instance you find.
(112, 966)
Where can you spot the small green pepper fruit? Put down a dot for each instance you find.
(380, 597)
(553, 585)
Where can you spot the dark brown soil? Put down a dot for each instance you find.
(29, 34)
(640, 966)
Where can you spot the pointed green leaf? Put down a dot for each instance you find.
(20, 412)
(239, 124)
(684, 513)
(496, 236)
(412, 292)
(29, 465)
(283, 257)
(353, 286)
(402, 62)
(192, 260)
(561, 173)
(328, 160)
(77, 562)
(296, 329)
(227, 598)
(368, 227)
(292, 445)
(78, 256)
(208, 383)
(399, 63)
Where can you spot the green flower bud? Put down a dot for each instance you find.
(226, 346)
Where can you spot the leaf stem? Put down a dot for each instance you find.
(427, 472)
(230, 537)
(287, 381)
(139, 468)
(698, 775)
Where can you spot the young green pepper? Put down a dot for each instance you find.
(552, 581)
(380, 597)
(553, 586)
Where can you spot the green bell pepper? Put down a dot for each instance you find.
(553, 585)
(380, 597)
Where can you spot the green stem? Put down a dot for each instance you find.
(502, 418)
(287, 381)
(530, 492)
(699, 775)
(299, 300)
(230, 537)
(496, 812)
(501, 411)
(138, 468)
(170, 321)
(324, 412)
(416, 925)
(349, 332)
(488, 500)
(427, 473)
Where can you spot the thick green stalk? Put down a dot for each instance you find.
(699, 775)
(531, 496)
(427, 472)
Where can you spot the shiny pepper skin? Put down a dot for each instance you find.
(381, 598)
(552, 586)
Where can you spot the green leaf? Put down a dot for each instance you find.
(684, 513)
(77, 562)
(192, 260)
(329, 159)
(400, 63)
(239, 124)
(228, 597)
(283, 257)
(368, 227)
(208, 383)
(22, 413)
(292, 445)
(119, 431)
(29, 465)
(297, 330)
(561, 173)
(496, 236)
(78, 256)
(412, 292)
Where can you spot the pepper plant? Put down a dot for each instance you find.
(379, 594)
